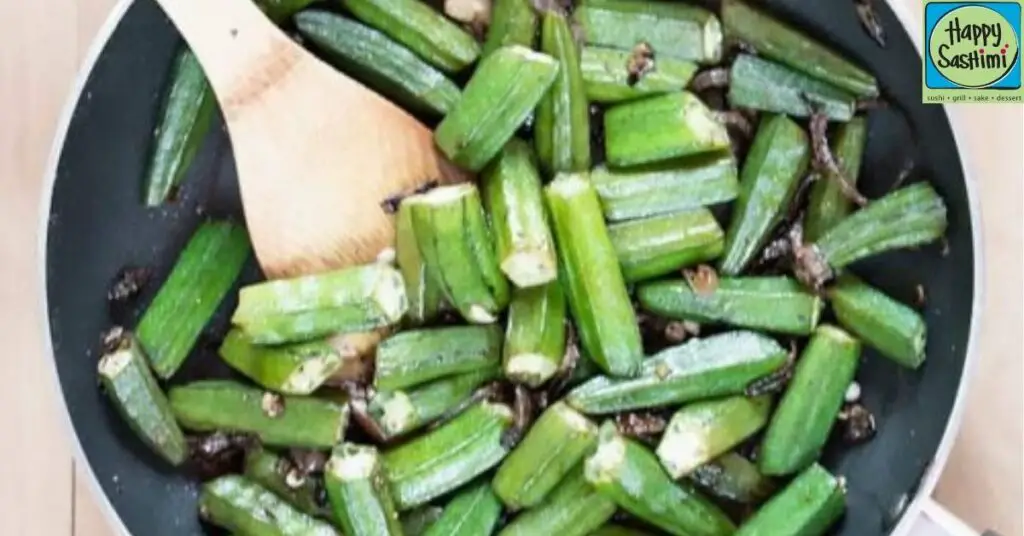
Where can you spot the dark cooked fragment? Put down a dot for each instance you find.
(869, 20)
(825, 162)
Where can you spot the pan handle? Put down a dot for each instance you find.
(933, 519)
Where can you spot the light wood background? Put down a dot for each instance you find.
(42, 493)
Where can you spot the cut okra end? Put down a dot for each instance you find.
(609, 457)
(353, 462)
(396, 412)
(531, 268)
(530, 369)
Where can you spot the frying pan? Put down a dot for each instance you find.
(95, 224)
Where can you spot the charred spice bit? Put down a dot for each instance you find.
(522, 417)
(858, 423)
(219, 453)
(361, 415)
(713, 78)
(640, 425)
(909, 164)
(130, 281)
(873, 103)
(272, 404)
(390, 204)
(869, 20)
(570, 359)
(736, 120)
(777, 249)
(307, 461)
(675, 332)
(640, 62)
(294, 479)
(703, 281)
(919, 297)
(774, 382)
(824, 161)
(114, 339)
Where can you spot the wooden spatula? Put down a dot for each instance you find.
(316, 152)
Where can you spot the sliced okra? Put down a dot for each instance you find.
(810, 504)
(561, 128)
(294, 369)
(661, 128)
(272, 472)
(243, 507)
(574, 508)
(675, 30)
(415, 357)
(359, 494)
(733, 478)
(608, 75)
(474, 511)
(513, 22)
(661, 245)
(894, 329)
(423, 292)
(535, 336)
(760, 84)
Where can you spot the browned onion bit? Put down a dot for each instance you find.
(675, 332)
(640, 425)
(219, 453)
(736, 120)
(640, 62)
(869, 20)
(809, 267)
(824, 161)
(522, 416)
(713, 78)
(130, 281)
(776, 381)
(390, 204)
(908, 167)
(570, 359)
(858, 423)
(114, 339)
(307, 461)
(703, 280)
(872, 103)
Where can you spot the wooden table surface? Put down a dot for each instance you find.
(44, 494)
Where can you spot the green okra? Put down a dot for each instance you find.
(553, 447)
(243, 507)
(666, 187)
(680, 31)
(894, 329)
(349, 300)
(810, 504)
(764, 85)
(607, 77)
(700, 432)
(269, 470)
(827, 205)
(660, 245)
(779, 41)
(473, 512)
(574, 508)
(661, 128)
(561, 128)
(777, 160)
(629, 474)
(202, 276)
(279, 10)
(437, 40)
(598, 299)
(424, 294)
(130, 385)
(804, 417)
(295, 369)
(400, 412)
(359, 494)
(448, 457)
(458, 251)
(417, 522)
(718, 365)
(511, 189)
(535, 336)
(733, 478)
(777, 304)
(282, 421)
(504, 90)
(383, 64)
(618, 530)
(513, 22)
(415, 357)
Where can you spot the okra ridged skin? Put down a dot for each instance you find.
(808, 506)
(243, 507)
(827, 205)
(473, 512)
(574, 508)
(416, 25)
(780, 42)
(606, 75)
(663, 244)
(777, 160)
(513, 22)
(561, 128)
(675, 30)
(807, 411)
(269, 470)
(202, 276)
(424, 294)
(553, 447)
(718, 365)
(700, 432)
(894, 329)
(775, 304)
(400, 412)
(295, 369)
(382, 63)
(415, 357)
(350, 300)
(535, 336)
(618, 530)
(417, 522)
(629, 474)
(666, 187)
(733, 478)
(358, 492)
(506, 87)
(661, 128)
(279, 10)
(131, 387)
(764, 85)
(222, 405)
(512, 193)
(598, 299)
(449, 456)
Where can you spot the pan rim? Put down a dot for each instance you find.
(928, 480)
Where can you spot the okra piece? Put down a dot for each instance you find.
(279, 10)
(243, 507)
(295, 369)
(359, 494)
(266, 469)
(776, 162)
(733, 478)
(598, 299)
(473, 512)
(561, 129)
(383, 64)
(424, 294)
(630, 475)
(618, 530)
(607, 75)
(574, 508)
(827, 205)
(185, 118)
(555, 444)
(663, 244)
(417, 522)
(350, 300)
(805, 415)
(719, 365)
(776, 304)
(535, 336)
(282, 421)
(459, 253)
(506, 87)
(764, 85)
(128, 382)
(895, 330)
(661, 128)
(202, 276)
(680, 31)
(400, 412)
(810, 504)
(448, 457)
(700, 432)
(511, 189)
(666, 187)
(781, 42)
(513, 22)
(414, 357)
(439, 41)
